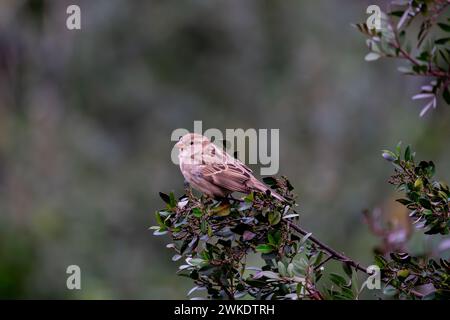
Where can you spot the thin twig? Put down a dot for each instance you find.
(335, 254)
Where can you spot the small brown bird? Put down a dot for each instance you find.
(214, 172)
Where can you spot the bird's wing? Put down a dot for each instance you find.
(230, 159)
(229, 176)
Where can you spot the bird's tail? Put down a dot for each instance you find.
(263, 188)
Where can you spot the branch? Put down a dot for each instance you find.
(333, 253)
(337, 255)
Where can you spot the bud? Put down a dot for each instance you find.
(388, 156)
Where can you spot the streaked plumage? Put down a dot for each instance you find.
(214, 172)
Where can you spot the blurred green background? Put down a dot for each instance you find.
(86, 118)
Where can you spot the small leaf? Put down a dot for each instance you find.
(446, 95)
(408, 153)
(389, 155)
(404, 202)
(444, 26)
(425, 203)
(197, 212)
(347, 269)
(442, 41)
(210, 231)
(250, 197)
(303, 240)
(176, 257)
(423, 96)
(403, 273)
(267, 274)
(248, 235)
(282, 269)
(338, 279)
(245, 206)
(172, 202)
(165, 197)
(222, 210)
(274, 217)
(290, 270)
(372, 56)
(270, 181)
(418, 184)
(264, 248)
(274, 238)
(159, 220)
(204, 227)
(405, 70)
(159, 232)
(197, 262)
(390, 291)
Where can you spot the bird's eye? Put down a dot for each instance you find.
(192, 142)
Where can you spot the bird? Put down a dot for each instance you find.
(212, 171)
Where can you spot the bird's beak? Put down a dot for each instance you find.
(178, 145)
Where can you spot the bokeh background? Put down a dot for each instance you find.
(86, 118)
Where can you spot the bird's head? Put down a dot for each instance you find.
(191, 141)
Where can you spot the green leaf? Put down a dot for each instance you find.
(222, 210)
(425, 203)
(318, 258)
(446, 95)
(204, 227)
(390, 291)
(408, 153)
(274, 238)
(274, 217)
(442, 41)
(250, 197)
(398, 148)
(197, 212)
(404, 202)
(290, 270)
(380, 261)
(270, 181)
(418, 184)
(264, 248)
(281, 269)
(197, 262)
(444, 26)
(269, 274)
(165, 197)
(338, 279)
(347, 269)
(159, 220)
(299, 288)
(403, 273)
(210, 231)
(172, 202)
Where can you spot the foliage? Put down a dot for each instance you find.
(216, 237)
(405, 273)
(427, 198)
(427, 53)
